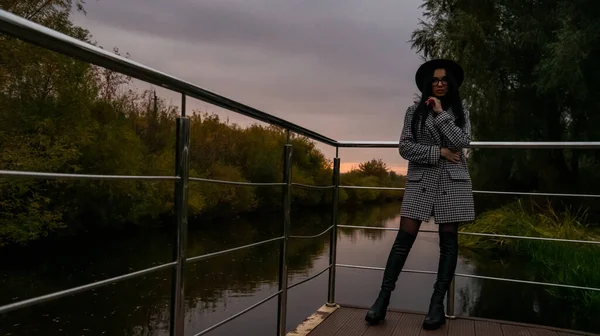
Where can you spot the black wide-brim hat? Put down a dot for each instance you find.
(427, 68)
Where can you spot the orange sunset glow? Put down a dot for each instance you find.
(349, 166)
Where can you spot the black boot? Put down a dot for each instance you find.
(395, 262)
(447, 265)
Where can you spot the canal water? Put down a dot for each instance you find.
(222, 286)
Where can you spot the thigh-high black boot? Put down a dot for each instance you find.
(447, 265)
(393, 267)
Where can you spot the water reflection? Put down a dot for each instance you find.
(220, 287)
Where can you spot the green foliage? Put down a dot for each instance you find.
(556, 262)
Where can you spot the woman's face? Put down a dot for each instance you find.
(439, 83)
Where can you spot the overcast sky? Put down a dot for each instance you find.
(343, 68)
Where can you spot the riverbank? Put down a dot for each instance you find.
(554, 262)
(205, 221)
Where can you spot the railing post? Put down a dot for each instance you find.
(283, 266)
(333, 234)
(450, 299)
(182, 167)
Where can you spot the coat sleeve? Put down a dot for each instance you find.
(458, 137)
(413, 151)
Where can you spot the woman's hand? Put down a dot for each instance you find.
(435, 104)
(450, 155)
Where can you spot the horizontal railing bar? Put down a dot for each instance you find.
(310, 278)
(368, 144)
(61, 176)
(372, 188)
(381, 269)
(315, 236)
(216, 254)
(530, 238)
(484, 144)
(533, 194)
(479, 234)
(371, 228)
(487, 192)
(255, 184)
(536, 144)
(44, 37)
(308, 186)
(75, 290)
(238, 314)
(465, 275)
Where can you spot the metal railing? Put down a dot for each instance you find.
(46, 38)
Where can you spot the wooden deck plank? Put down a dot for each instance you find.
(409, 325)
(443, 331)
(513, 330)
(333, 323)
(355, 326)
(542, 332)
(350, 321)
(311, 322)
(385, 328)
(488, 329)
(460, 327)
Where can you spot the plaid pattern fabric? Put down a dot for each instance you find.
(435, 186)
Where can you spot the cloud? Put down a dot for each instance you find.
(342, 68)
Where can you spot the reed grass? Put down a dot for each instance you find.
(554, 262)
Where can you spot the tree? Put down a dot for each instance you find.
(374, 167)
(530, 76)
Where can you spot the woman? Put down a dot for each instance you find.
(435, 132)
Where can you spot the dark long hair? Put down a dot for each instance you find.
(451, 99)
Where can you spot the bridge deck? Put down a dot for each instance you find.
(349, 321)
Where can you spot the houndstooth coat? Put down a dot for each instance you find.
(435, 186)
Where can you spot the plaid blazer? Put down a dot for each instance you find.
(435, 186)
